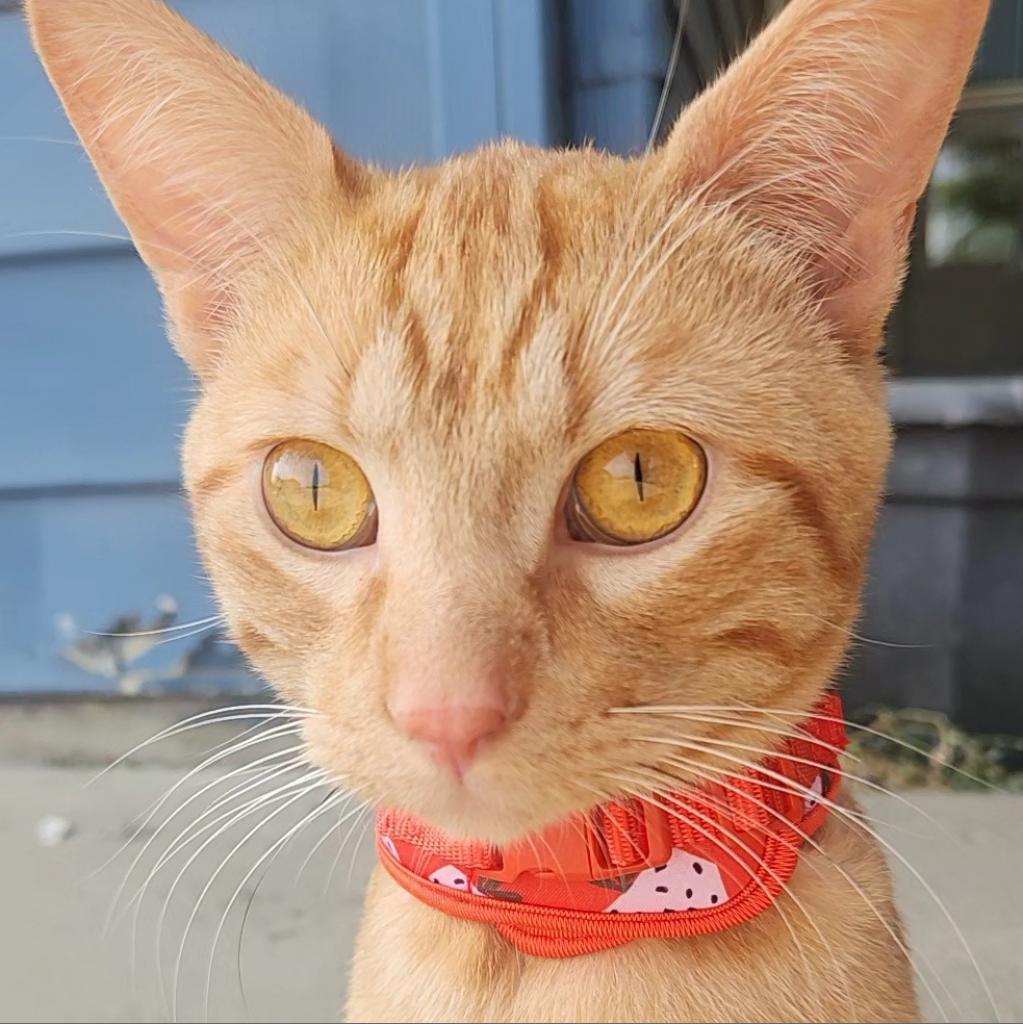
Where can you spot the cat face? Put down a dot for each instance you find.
(468, 369)
(467, 335)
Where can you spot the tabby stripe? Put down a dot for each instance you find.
(809, 509)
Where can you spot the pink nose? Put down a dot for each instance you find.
(453, 734)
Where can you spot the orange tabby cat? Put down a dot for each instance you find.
(441, 349)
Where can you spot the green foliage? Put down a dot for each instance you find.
(945, 756)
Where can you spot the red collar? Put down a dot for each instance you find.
(695, 861)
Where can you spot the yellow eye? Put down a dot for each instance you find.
(636, 487)
(319, 496)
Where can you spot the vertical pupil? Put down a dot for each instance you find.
(316, 486)
(637, 472)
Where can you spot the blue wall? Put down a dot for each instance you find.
(92, 399)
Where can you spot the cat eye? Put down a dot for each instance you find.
(318, 496)
(636, 487)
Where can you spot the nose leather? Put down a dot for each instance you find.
(453, 735)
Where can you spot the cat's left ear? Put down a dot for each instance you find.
(208, 165)
(824, 135)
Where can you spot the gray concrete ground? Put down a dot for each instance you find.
(56, 965)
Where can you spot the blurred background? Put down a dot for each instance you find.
(95, 537)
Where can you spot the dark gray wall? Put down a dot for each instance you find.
(946, 577)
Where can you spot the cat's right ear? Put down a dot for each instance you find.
(206, 163)
(823, 135)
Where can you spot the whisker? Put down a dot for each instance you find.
(741, 723)
(42, 139)
(363, 823)
(185, 636)
(272, 853)
(245, 733)
(109, 236)
(236, 814)
(319, 777)
(817, 870)
(252, 736)
(230, 751)
(711, 747)
(319, 842)
(685, 819)
(262, 775)
(206, 717)
(212, 619)
(859, 638)
(363, 811)
(559, 868)
(720, 779)
(239, 951)
(789, 712)
(953, 924)
(696, 746)
(194, 830)
(669, 75)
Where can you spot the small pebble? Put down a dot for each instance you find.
(53, 829)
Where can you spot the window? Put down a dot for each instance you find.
(961, 313)
(962, 310)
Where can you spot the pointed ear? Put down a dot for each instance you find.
(205, 162)
(824, 134)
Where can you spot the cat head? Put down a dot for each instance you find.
(487, 450)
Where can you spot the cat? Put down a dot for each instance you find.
(487, 450)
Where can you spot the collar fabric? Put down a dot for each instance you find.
(682, 864)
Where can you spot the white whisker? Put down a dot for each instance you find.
(312, 785)
(319, 843)
(206, 623)
(185, 636)
(706, 834)
(273, 851)
(697, 747)
(720, 779)
(262, 775)
(363, 823)
(662, 709)
(41, 138)
(669, 75)
(235, 748)
(235, 814)
(344, 843)
(711, 747)
(206, 717)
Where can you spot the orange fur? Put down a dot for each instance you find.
(468, 332)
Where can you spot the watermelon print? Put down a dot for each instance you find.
(453, 878)
(707, 873)
(688, 881)
(817, 791)
(684, 883)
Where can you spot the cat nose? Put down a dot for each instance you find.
(452, 734)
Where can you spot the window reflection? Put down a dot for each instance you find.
(961, 313)
(975, 209)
